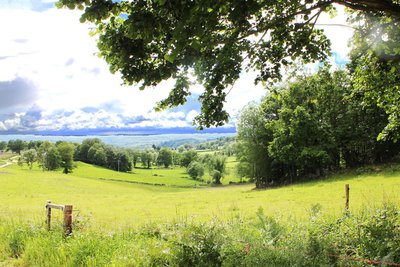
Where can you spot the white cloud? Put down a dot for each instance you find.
(2, 126)
(12, 123)
(191, 115)
(54, 51)
(337, 30)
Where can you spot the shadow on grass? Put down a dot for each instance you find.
(387, 169)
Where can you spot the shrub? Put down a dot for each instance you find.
(195, 170)
(217, 175)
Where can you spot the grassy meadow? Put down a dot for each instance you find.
(113, 200)
(160, 217)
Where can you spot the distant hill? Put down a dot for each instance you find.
(126, 131)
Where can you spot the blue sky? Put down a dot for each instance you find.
(52, 80)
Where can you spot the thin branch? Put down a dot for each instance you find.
(278, 20)
(336, 25)
(315, 21)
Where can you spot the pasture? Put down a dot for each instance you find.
(111, 200)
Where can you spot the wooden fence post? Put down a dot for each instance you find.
(48, 221)
(67, 209)
(347, 188)
(68, 219)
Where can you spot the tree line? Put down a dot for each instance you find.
(94, 151)
(311, 126)
(52, 156)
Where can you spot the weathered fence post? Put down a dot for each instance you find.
(68, 219)
(347, 188)
(67, 209)
(48, 214)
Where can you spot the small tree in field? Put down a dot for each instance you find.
(20, 162)
(165, 157)
(217, 176)
(216, 165)
(29, 157)
(195, 170)
(147, 158)
(66, 152)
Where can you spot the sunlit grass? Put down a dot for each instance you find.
(114, 204)
(155, 176)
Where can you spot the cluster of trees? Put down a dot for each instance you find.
(94, 151)
(215, 164)
(49, 156)
(313, 125)
(224, 144)
(52, 156)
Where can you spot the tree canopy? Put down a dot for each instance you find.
(150, 41)
(311, 126)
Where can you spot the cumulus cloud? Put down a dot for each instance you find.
(2, 126)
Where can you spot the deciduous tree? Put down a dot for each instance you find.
(151, 41)
(66, 152)
(29, 157)
(165, 157)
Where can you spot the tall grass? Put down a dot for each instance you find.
(345, 240)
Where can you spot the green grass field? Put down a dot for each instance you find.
(105, 198)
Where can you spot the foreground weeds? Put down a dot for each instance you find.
(371, 236)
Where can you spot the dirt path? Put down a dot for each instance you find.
(5, 165)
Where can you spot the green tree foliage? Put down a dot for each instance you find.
(16, 146)
(187, 157)
(29, 157)
(176, 157)
(97, 154)
(100, 157)
(82, 151)
(147, 158)
(117, 159)
(66, 151)
(309, 127)
(195, 170)
(3, 145)
(216, 165)
(20, 162)
(124, 161)
(48, 156)
(34, 144)
(94, 151)
(134, 155)
(53, 159)
(165, 157)
(151, 41)
(252, 144)
(375, 65)
(217, 144)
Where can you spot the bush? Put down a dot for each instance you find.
(217, 175)
(195, 170)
